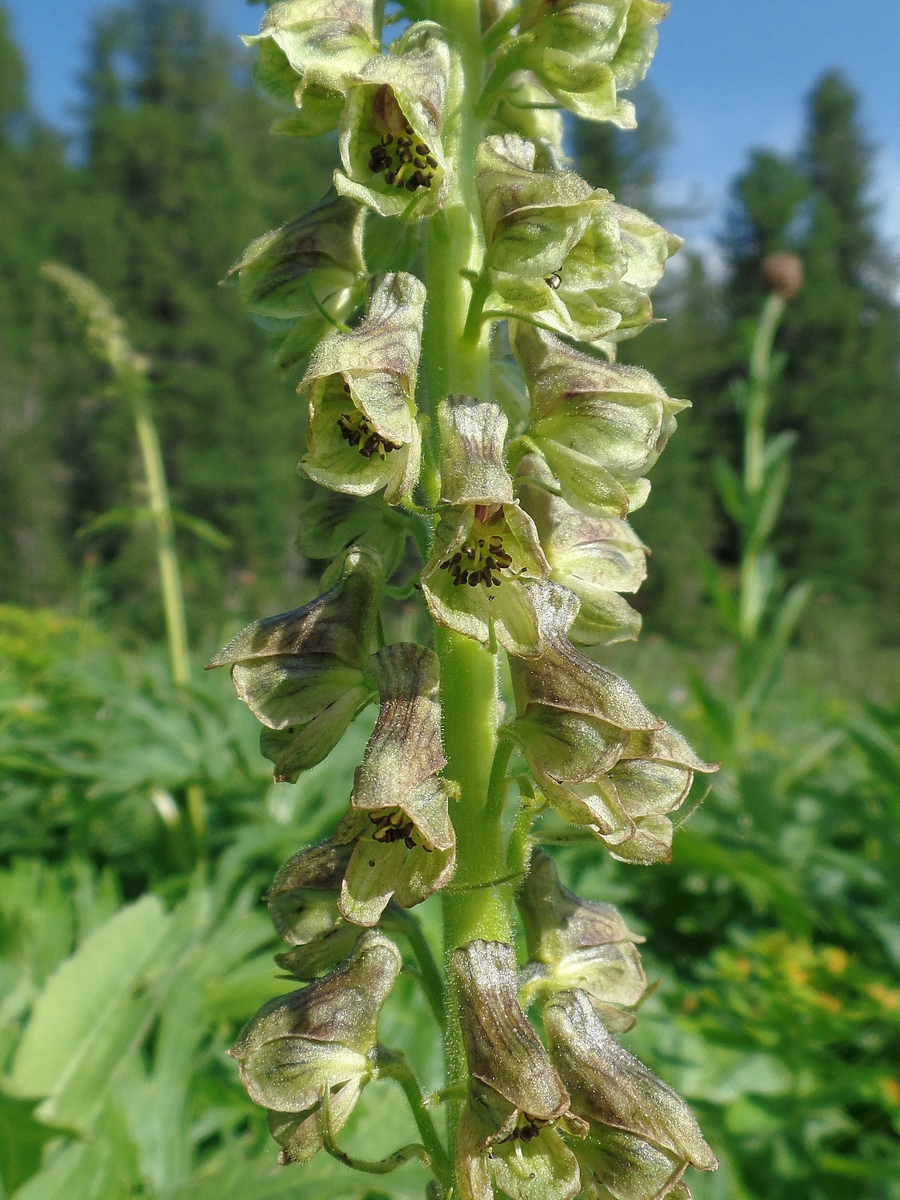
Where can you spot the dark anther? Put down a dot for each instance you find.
(387, 139)
(421, 148)
(554, 281)
(431, 160)
(411, 184)
(408, 129)
(389, 177)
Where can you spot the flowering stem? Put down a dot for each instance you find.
(393, 1065)
(430, 975)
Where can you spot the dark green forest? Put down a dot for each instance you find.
(172, 171)
(138, 822)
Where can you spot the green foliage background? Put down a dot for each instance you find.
(138, 828)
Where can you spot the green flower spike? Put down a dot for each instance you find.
(601, 426)
(322, 41)
(302, 673)
(595, 557)
(575, 943)
(303, 906)
(509, 1135)
(405, 845)
(362, 433)
(643, 1136)
(322, 1037)
(586, 51)
(307, 276)
(562, 254)
(601, 758)
(390, 137)
(485, 547)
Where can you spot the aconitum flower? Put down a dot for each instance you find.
(321, 41)
(642, 1135)
(510, 1131)
(307, 276)
(600, 426)
(562, 254)
(362, 434)
(302, 673)
(399, 821)
(599, 756)
(586, 51)
(320, 1038)
(597, 558)
(390, 138)
(575, 943)
(486, 548)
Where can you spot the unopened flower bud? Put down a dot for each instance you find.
(306, 274)
(390, 137)
(525, 107)
(301, 673)
(485, 546)
(784, 274)
(575, 943)
(321, 1038)
(399, 818)
(362, 433)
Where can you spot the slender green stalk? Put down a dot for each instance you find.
(106, 333)
(759, 396)
(395, 1066)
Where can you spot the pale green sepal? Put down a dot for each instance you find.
(610, 1087)
(667, 745)
(296, 748)
(322, 43)
(568, 745)
(596, 557)
(565, 678)
(300, 1135)
(473, 470)
(302, 897)
(362, 433)
(619, 1166)
(600, 425)
(341, 622)
(406, 88)
(405, 849)
(577, 943)
(508, 605)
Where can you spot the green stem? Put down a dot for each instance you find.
(431, 978)
(393, 1065)
(758, 397)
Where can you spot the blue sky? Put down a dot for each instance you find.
(733, 73)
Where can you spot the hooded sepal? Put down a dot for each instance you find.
(485, 548)
(362, 433)
(302, 673)
(390, 138)
(515, 1099)
(322, 1037)
(399, 819)
(586, 51)
(575, 943)
(567, 679)
(600, 426)
(614, 1091)
(597, 558)
(306, 276)
(323, 43)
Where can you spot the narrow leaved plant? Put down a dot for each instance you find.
(484, 450)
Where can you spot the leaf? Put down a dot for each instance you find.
(82, 995)
(728, 485)
(202, 530)
(21, 1142)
